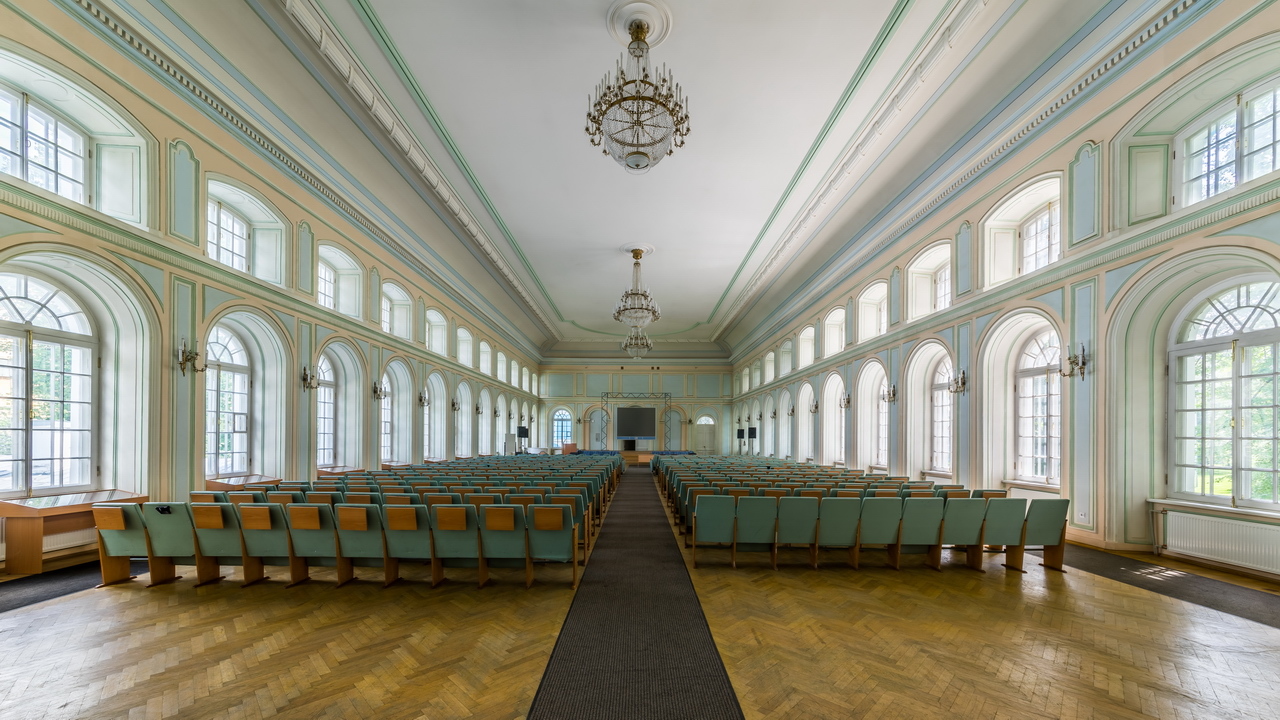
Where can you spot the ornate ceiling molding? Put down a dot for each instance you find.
(165, 66)
(315, 24)
(846, 169)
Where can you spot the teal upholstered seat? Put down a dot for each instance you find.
(879, 524)
(266, 537)
(503, 540)
(838, 519)
(218, 542)
(962, 527)
(360, 538)
(456, 530)
(122, 534)
(1045, 526)
(713, 521)
(315, 539)
(756, 528)
(172, 537)
(553, 535)
(922, 528)
(798, 524)
(407, 529)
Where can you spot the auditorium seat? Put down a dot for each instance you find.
(170, 538)
(962, 521)
(122, 534)
(712, 521)
(407, 530)
(756, 528)
(921, 529)
(798, 524)
(504, 540)
(553, 536)
(878, 525)
(360, 540)
(455, 529)
(218, 543)
(266, 537)
(1044, 526)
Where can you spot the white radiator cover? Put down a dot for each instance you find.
(1237, 542)
(60, 541)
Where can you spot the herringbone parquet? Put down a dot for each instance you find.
(875, 643)
(313, 651)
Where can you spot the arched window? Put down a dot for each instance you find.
(437, 332)
(1038, 409)
(785, 410)
(536, 389)
(880, 452)
(1024, 232)
(873, 311)
(805, 348)
(62, 138)
(47, 352)
(244, 232)
(524, 379)
(755, 374)
(326, 413)
(502, 366)
(227, 405)
(833, 421)
(770, 363)
(1233, 144)
(561, 428)
(396, 310)
(485, 420)
(1224, 368)
(940, 420)
(386, 421)
(464, 347)
(929, 281)
(486, 358)
(515, 373)
(338, 281)
(462, 419)
(434, 418)
(785, 359)
(804, 424)
(833, 332)
(768, 426)
(706, 420)
(745, 381)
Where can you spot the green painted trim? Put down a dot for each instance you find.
(171, 189)
(1095, 150)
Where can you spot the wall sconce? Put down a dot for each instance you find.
(791, 411)
(814, 407)
(739, 420)
(189, 358)
(958, 383)
(380, 391)
(478, 410)
(690, 421)
(1076, 364)
(579, 421)
(773, 414)
(496, 415)
(845, 401)
(423, 400)
(759, 417)
(891, 395)
(310, 379)
(456, 406)
(522, 419)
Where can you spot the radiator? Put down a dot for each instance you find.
(60, 541)
(1236, 542)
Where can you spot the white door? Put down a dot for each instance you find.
(704, 439)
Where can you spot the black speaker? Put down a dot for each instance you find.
(522, 431)
(751, 433)
(742, 433)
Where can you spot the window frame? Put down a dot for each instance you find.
(1053, 386)
(214, 369)
(941, 418)
(24, 102)
(218, 207)
(561, 420)
(326, 384)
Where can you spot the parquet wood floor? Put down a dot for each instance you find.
(313, 651)
(875, 643)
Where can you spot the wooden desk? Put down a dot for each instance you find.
(29, 520)
(237, 483)
(336, 470)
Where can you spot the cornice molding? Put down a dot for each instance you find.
(846, 168)
(119, 30)
(316, 26)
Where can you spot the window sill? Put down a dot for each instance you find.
(1037, 487)
(1215, 507)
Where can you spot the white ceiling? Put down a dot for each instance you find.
(508, 82)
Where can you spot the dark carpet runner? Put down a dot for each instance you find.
(635, 644)
(1256, 605)
(32, 589)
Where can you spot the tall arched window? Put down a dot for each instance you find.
(561, 428)
(940, 420)
(326, 414)
(433, 419)
(880, 453)
(768, 426)
(47, 354)
(486, 358)
(744, 381)
(437, 332)
(485, 420)
(804, 350)
(785, 410)
(462, 419)
(1038, 413)
(1224, 371)
(804, 424)
(524, 379)
(833, 421)
(833, 332)
(386, 421)
(464, 347)
(227, 414)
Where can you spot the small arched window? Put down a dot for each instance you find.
(244, 232)
(873, 311)
(785, 359)
(502, 366)
(524, 379)
(833, 332)
(1024, 232)
(338, 281)
(437, 332)
(486, 358)
(744, 383)
(227, 405)
(805, 348)
(515, 373)
(464, 347)
(396, 310)
(326, 413)
(1038, 409)
(929, 281)
(1234, 144)
(770, 363)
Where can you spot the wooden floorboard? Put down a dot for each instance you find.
(915, 643)
(313, 651)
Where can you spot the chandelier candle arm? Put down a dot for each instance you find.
(636, 308)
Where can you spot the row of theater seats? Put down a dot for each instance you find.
(254, 535)
(900, 525)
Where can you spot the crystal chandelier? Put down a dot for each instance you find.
(638, 115)
(636, 308)
(637, 344)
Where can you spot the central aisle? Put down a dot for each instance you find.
(635, 644)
